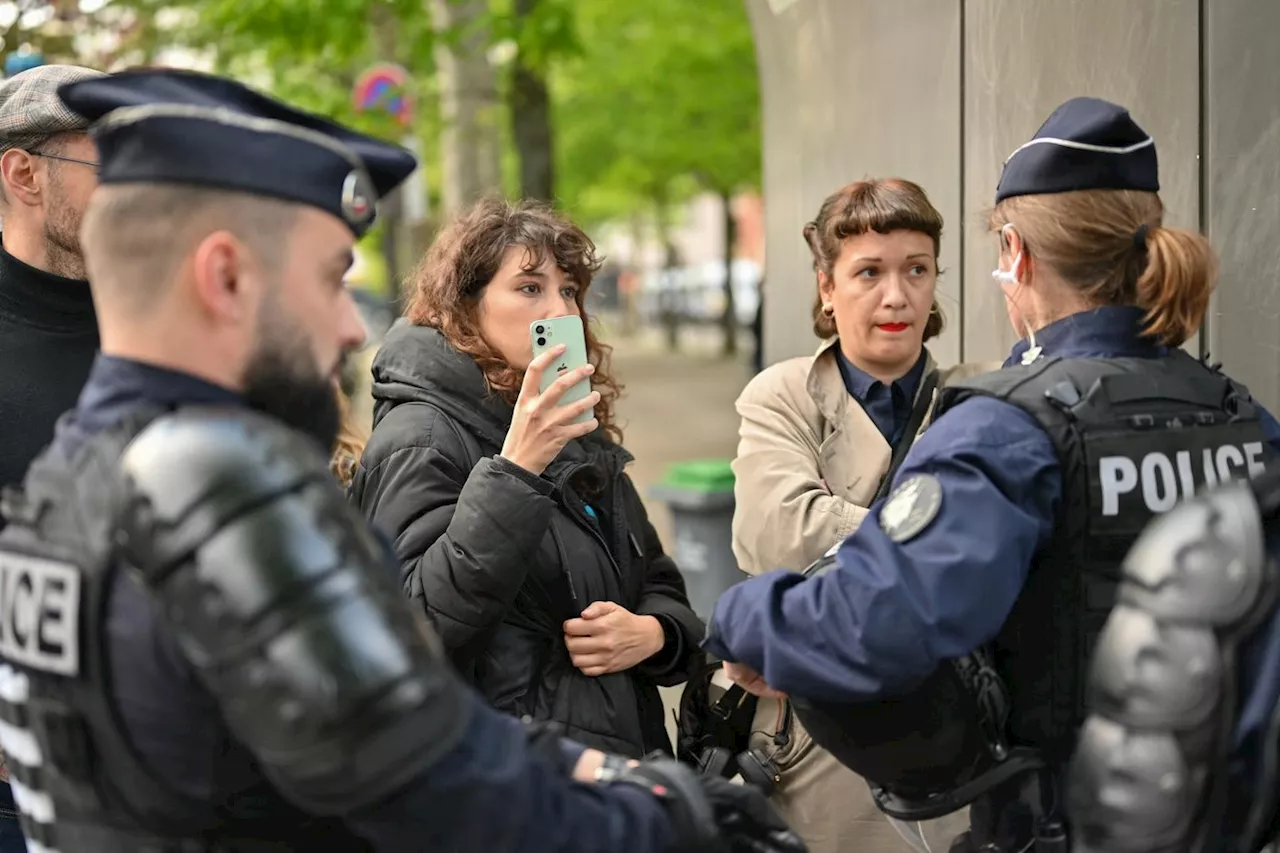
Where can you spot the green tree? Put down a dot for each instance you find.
(309, 53)
(662, 100)
(542, 33)
(614, 108)
(47, 27)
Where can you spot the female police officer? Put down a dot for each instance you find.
(1009, 517)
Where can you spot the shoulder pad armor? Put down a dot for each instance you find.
(195, 469)
(284, 603)
(1161, 691)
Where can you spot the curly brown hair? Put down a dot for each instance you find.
(464, 258)
(881, 205)
(352, 437)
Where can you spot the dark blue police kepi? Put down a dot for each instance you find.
(1087, 144)
(183, 127)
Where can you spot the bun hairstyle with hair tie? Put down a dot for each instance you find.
(1083, 195)
(881, 205)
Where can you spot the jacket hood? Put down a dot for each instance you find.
(417, 364)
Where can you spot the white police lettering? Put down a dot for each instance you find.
(1163, 480)
(40, 613)
(22, 748)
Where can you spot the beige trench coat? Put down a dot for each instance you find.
(809, 462)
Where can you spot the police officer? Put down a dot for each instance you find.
(204, 648)
(1008, 519)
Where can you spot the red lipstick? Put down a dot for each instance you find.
(893, 327)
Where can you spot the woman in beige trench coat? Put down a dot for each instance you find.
(816, 439)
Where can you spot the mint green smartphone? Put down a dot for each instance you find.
(545, 334)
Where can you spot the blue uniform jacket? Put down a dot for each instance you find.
(489, 794)
(890, 613)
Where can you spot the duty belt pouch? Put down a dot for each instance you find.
(915, 745)
(713, 725)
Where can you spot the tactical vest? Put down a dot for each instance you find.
(78, 782)
(1133, 437)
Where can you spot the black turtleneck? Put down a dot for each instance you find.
(48, 338)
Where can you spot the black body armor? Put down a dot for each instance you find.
(1133, 437)
(278, 596)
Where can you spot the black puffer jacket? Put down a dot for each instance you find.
(500, 559)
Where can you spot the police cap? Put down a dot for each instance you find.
(1087, 144)
(183, 127)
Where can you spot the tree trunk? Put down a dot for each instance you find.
(729, 320)
(391, 208)
(531, 121)
(670, 298)
(469, 105)
(391, 211)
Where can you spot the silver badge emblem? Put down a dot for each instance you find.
(913, 505)
(357, 198)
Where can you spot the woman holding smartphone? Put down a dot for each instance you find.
(519, 533)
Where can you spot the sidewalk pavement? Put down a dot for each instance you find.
(676, 406)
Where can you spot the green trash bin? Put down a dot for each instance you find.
(699, 495)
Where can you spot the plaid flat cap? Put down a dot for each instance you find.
(30, 109)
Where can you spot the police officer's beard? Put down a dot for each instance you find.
(282, 382)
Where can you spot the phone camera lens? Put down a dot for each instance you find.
(539, 330)
(542, 342)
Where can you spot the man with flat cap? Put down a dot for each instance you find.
(942, 651)
(202, 647)
(48, 335)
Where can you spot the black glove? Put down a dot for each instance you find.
(747, 818)
(713, 815)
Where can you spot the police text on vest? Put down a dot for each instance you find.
(40, 613)
(1163, 480)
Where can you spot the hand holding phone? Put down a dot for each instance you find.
(568, 332)
(556, 401)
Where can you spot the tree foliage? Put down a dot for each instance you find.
(662, 99)
(309, 52)
(650, 101)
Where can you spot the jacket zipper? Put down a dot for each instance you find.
(579, 518)
(564, 570)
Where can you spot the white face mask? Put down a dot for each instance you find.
(1010, 276)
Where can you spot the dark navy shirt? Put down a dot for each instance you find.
(490, 793)
(890, 612)
(888, 406)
